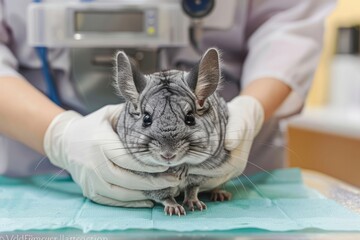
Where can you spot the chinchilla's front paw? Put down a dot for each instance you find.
(192, 202)
(174, 209)
(220, 195)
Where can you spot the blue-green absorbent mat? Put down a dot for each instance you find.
(279, 202)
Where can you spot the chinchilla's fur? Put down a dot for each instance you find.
(175, 119)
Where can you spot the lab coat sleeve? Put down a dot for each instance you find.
(285, 40)
(8, 62)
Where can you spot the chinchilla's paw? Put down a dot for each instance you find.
(191, 203)
(220, 195)
(175, 208)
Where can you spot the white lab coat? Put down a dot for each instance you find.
(268, 38)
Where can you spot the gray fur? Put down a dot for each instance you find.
(168, 97)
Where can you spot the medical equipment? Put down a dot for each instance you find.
(45, 68)
(94, 30)
(122, 24)
(49, 80)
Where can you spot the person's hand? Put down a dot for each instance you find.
(90, 150)
(246, 117)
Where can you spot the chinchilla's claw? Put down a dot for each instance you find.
(176, 209)
(220, 195)
(191, 203)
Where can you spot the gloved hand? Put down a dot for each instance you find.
(90, 150)
(246, 116)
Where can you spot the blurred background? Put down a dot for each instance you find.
(326, 136)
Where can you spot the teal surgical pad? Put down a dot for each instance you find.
(276, 201)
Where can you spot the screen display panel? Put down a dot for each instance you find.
(110, 21)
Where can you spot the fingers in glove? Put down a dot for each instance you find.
(238, 131)
(116, 203)
(232, 139)
(246, 116)
(121, 177)
(120, 193)
(118, 154)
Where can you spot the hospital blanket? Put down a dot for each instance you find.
(276, 201)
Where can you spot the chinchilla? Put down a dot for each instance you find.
(176, 119)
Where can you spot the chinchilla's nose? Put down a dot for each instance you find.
(168, 156)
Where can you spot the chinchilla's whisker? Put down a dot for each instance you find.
(117, 156)
(256, 188)
(262, 169)
(40, 162)
(134, 143)
(196, 153)
(142, 154)
(243, 186)
(124, 154)
(120, 155)
(100, 144)
(105, 162)
(104, 147)
(196, 144)
(222, 139)
(200, 152)
(51, 179)
(238, 130)
(203, 152)
(141, 134)
(237, 190)
(137, 131)
(190, 134)
(243, 160)
(256, 142)
(113, 149)
(98, 140)
(255, 165)
(137, 143)
(246, 129)
(285, 146)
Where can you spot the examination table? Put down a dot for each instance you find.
(343, 195)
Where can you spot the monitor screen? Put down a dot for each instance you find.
(110, 21)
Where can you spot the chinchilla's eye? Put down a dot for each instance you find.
(190, 119)
(147, 119)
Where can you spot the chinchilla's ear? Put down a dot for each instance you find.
(130, 82)
(204, 78)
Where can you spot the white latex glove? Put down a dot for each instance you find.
(246, 116)
(90, 150)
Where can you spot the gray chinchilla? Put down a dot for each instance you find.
(176, 119)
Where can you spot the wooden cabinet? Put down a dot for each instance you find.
(327, 142)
